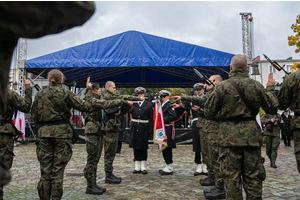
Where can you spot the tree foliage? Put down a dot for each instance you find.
(294, 40)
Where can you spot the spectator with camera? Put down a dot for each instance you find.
(273, 124)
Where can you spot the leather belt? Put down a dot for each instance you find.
(238, 119)
(140, 120)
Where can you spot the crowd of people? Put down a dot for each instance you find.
(226, 137)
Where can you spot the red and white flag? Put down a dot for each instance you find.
(159, 130)
(19, 123)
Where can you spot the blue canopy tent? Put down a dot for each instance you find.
(133, 59)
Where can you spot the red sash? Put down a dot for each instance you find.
(173, 129)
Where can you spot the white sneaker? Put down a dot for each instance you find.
(204, 168)
(199, 168)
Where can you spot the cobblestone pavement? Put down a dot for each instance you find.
(281, 183)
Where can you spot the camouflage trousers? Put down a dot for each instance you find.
(213, 149)
(205, 153)
(242, 166)
(272, 144)
(110, 148)
(94, 144)
(6, 150)
(53, 155)
(296, 137)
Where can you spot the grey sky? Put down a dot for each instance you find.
(216, 25)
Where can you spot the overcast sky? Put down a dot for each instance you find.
(211, 24)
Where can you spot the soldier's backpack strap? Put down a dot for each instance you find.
(242, 97)
(65, 118)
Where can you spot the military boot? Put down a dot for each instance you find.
(209, 190)
(207, 181)
(216, 194)
(273, 165)
(94, 190)
(113, 179)
(101, 188)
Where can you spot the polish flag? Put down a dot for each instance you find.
(19, 122)
(159, 130)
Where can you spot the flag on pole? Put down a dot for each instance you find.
(19, 122)
(159, 130)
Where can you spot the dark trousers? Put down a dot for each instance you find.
(140, 154)
(168, 155)
(119, 147)
(198, 157)
(287, 140)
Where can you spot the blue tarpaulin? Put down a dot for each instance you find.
(133, 59)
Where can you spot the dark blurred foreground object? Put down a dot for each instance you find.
(5, 175)
(33, 20)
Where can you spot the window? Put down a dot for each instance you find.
(272, 69)
(288, 68)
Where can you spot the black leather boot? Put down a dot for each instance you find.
(209, 190)
(273, 165)
(101, 188)
(216, 194)
(113, 179)
(207, 181)
(94, 190)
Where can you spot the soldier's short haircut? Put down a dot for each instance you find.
(217, 77)
(54, 76)
(109, 83)
(239, 61)
(95, 86)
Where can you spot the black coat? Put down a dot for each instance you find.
(169, 116)
(140, 132)
(195, 133)
(285, 131)
(122, 118)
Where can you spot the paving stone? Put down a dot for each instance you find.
(281, 183)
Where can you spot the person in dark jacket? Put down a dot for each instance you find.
(286, 132)
(169, 117)
(141, 128)
(122, 118)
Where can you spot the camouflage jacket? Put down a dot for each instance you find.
(289, 96)
(17, 102)
(91, 127)
(225, 104)
(111, 119)
(43, 111)
(266, 119)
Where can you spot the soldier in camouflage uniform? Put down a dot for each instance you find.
(272, 135)
(7, 129)
(54, 148)
(239, 134)
(288, 97)
(33, 20)
(113, 127)
(94, 142)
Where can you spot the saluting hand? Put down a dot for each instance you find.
(26, 82)
(271, 81)
(88, 83)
